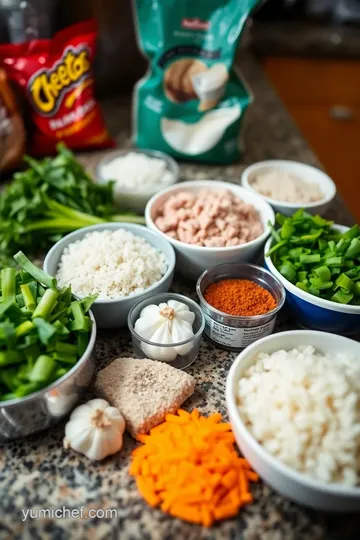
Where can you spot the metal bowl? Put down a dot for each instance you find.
(42, 409)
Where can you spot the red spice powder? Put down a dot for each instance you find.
(240, 297)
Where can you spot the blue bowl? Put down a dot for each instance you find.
(313, 312)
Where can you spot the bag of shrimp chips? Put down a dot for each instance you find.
(191, 103)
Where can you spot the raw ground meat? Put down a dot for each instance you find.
(209, 218)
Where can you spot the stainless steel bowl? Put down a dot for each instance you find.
(41, 410)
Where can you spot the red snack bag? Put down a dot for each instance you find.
(56, 79)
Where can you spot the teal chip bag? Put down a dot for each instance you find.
(191, 102)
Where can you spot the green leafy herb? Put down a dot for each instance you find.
(51, 198)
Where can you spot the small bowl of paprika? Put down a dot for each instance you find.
(240, 303)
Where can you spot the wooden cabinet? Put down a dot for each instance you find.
(323, 97)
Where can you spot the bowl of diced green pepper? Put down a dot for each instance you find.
(318, 263)
(47, 339)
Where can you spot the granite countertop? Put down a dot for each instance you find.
(305, 38)
(38, 472)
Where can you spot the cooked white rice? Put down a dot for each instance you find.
(304, 408)
(112, 264)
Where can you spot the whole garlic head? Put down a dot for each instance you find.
(166, 324)
(95, 429)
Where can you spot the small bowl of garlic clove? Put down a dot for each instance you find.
(167, 327)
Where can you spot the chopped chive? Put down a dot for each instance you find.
(275, 248)
(341, 297)
(301, 286)
(309, 259)
(67, 348)
(43, 368)
(8, 284)
(344, 282)
(8, 396)
(36, 273)
(10, 357)
(287, 230)
(320, 285)
(28, 297)
(87, 302)
(333, 261)
(26, 389)
(66, 358)
(46, 304)
(288, 271)
(356, 288)
(79, 317)
(354, 249)
(274, 232)
(45, 330)
(61, 328)
(24, 328)
(323, 273)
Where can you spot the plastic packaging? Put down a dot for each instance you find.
(55, 78)
(191, 102)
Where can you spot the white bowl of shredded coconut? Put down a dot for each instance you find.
(120, 262)
(290, 185)
(294, 404)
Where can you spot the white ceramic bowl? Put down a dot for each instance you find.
(113, 313)
(305, 172)
(287, 481)
(127, 198)
(194, 260)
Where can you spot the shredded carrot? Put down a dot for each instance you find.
(253, 476)
(243, 482)
(150, 496)
(188, 465)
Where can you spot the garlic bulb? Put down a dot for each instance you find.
(95, 429)
(165, 324)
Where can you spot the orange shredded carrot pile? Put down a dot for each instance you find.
(188, 466)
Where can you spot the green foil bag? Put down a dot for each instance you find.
(191, 102)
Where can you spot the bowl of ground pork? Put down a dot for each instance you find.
(293, 400)
(209, 223)
(121, 263)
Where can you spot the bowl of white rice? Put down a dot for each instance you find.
(293, 400)
(122, 263)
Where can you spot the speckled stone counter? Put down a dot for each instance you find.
(37, 472)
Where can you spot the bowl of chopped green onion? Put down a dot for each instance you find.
(47, 338)
(318, 263)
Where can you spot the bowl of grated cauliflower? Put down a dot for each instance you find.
(293, 400)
